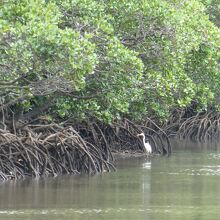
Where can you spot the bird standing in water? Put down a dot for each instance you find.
(147, 145)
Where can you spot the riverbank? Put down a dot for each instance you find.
(56, 149)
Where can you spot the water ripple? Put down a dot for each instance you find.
(54, 212)
(214, 156)
(203, 171)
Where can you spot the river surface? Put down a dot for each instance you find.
(183, 186)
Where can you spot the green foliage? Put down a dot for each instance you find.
(213, 9)
(110, 59)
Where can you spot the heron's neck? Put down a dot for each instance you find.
(144, 139)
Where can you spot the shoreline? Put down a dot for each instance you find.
(129, 154)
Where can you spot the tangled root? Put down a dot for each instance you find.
(122, 136)
(200, 126)
(51, 149)
(48, 150)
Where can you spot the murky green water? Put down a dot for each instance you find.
(183, 186)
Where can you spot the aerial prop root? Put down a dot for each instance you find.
(48, 150)
(122, 136)
(200, 126)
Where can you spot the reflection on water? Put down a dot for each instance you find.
(147, 165)
(183, 186)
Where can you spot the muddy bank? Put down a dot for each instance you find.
(129, 154)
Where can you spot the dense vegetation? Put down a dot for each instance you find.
(108, 60)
